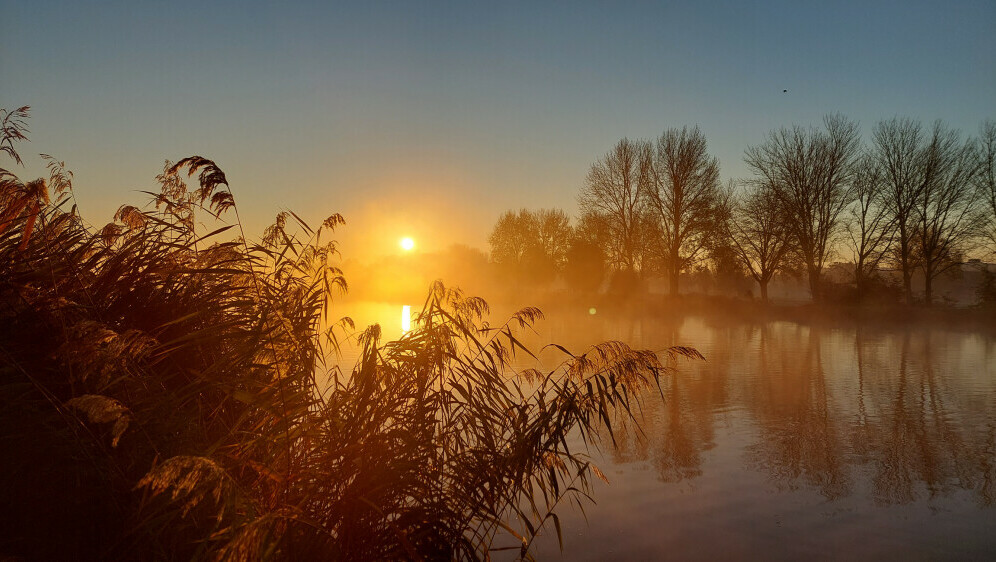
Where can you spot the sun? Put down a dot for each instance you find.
(407, 244)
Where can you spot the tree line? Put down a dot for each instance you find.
(914, 198)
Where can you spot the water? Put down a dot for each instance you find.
(793, 441)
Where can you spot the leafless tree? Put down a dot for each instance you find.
(757, 233)
(531, 242)
(591, 229)
(947, 213)
(683, 194)
(898, 151)
(511, 236)
(987, 183)
(612, 195)
(870, 226)
(810, 172)
(554, 233)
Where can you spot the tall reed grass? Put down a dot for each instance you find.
(176, 394)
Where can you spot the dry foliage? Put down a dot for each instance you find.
(235, 432)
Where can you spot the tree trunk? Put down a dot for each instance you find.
(764, 290)
(859, 278)
(814, 284)
(904, 262)
(673, 273)
(908, 286)
(927, 290)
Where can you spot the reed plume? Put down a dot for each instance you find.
(177, 394)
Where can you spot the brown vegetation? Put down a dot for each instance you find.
(172, 394)
(919, 203)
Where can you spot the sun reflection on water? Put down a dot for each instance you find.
(406, 318)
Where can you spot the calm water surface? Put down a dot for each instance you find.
(793, 442)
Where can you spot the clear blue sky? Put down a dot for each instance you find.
(432, 119)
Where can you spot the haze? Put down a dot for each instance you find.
(450, 113)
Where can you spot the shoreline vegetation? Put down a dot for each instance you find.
(753, 311)
(172, 392)
(910, 212)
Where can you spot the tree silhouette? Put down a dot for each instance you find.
(946, 210)
(810, 172)
(758, 234)
(987, 183)
(613, 195)
(870, 226)
(683, 194)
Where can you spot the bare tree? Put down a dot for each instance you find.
(683, 194)
(987, 182)
(809, 171)
(511, 236)
(612, 195)
(946, 211)
(554, 233)
(898, 151)
(757, 232)
(591, 228)
(870, 226)
(533, 243)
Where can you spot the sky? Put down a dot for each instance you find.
(430, 119)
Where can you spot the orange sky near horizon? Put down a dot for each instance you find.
(433, 119)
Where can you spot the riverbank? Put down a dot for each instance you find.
(889, 315)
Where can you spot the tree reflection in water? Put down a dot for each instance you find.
(789, 440)
(897, 415)
(800, 436)
(673, 434)
(925, 447)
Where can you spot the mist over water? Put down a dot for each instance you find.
(789, 441)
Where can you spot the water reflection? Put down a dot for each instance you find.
(406, 318)
(906, 416)
(926, 439)
(801, 438)
(752, 449)
(782, 423)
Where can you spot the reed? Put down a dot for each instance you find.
(173, 394)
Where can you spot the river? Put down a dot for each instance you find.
(790, 441)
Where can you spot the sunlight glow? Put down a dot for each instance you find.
(407, 244)
(406, 318)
